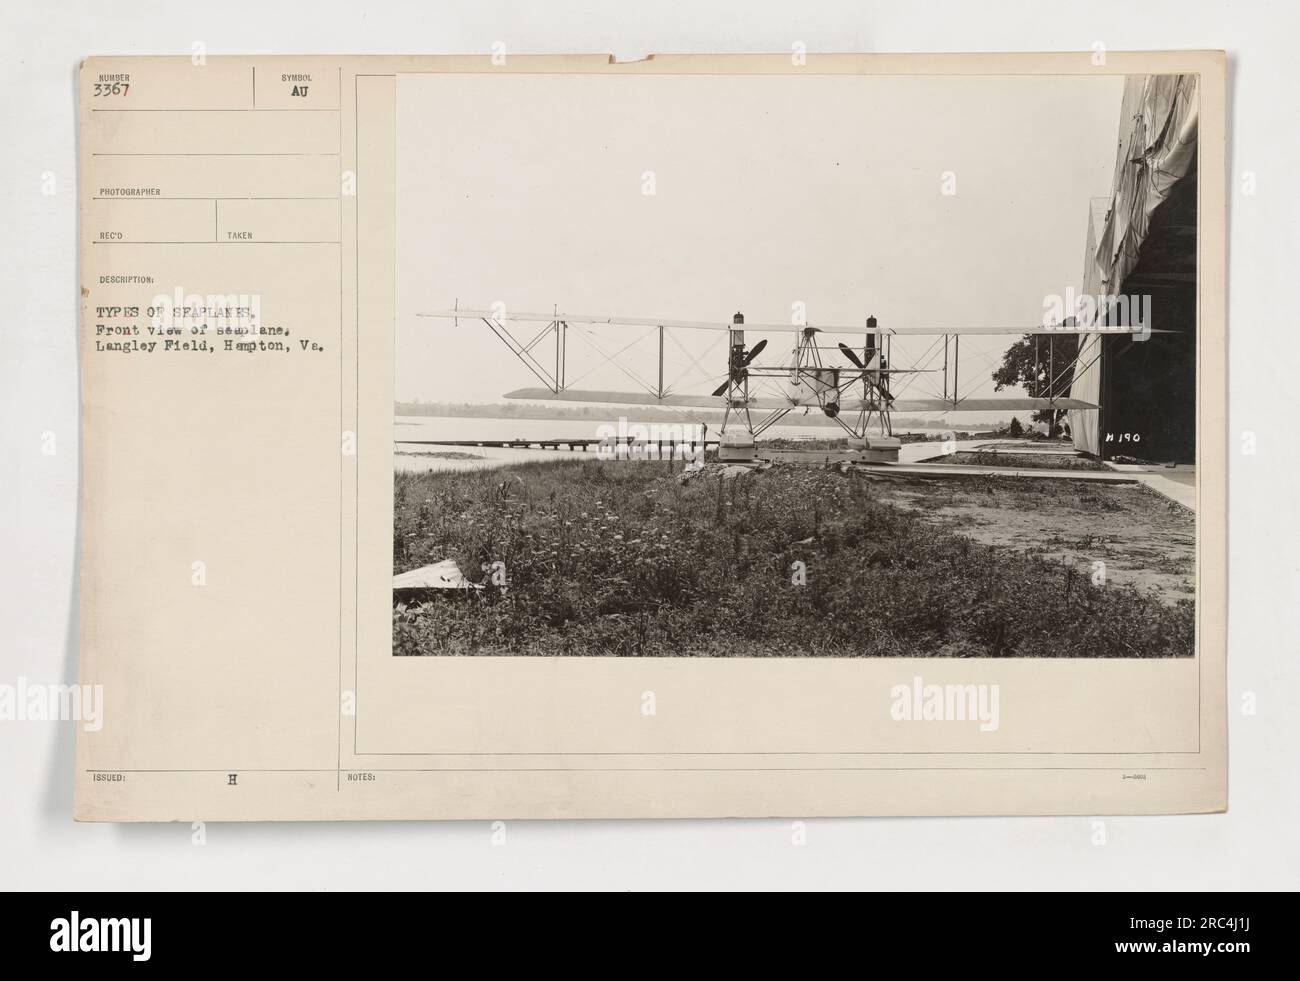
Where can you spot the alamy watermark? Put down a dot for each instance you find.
(99, 934)
(651, 441)
(29, 702)
(238, 313)
(919, 702)
(1100, 313)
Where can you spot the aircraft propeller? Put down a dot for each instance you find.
(881, 384)
(852, 355)
(738, 372)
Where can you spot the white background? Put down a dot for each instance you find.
(1253, 846)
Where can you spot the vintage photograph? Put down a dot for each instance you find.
(796, 366)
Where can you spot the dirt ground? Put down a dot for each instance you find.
(1143, 538)
(1019, 460)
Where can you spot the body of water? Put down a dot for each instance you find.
(416, 457)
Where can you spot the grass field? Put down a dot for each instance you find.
(627, 559)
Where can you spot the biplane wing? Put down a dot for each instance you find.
(502, 317)
(641, 398)
(772, 402)
(988, 405)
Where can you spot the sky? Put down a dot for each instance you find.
(769, 191)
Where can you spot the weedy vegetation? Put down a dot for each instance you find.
(630, 559)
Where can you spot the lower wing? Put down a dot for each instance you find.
(771, 402)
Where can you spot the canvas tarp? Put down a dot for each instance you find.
(1157, 145)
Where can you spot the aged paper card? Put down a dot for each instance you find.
(703, 436)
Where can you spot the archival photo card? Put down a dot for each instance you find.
(559, 437)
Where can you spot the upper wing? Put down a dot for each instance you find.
(858, 329)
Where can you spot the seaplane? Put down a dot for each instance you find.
(859, 391)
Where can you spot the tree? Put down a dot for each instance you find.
(1027, 363)
(1015, 429)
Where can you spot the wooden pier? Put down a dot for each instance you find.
(569, 444)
